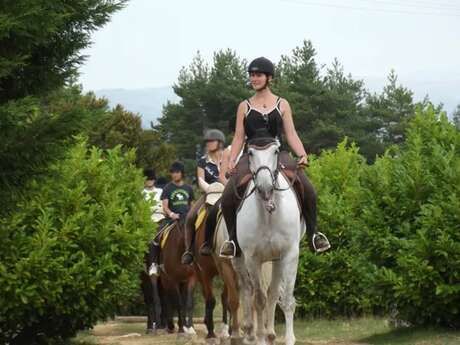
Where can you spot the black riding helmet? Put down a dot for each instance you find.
(149, 173)
(177, 167)
(262, 65)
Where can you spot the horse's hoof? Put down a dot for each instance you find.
(234, 340)
(224, 332)
(212, 341)
(249, 340)
(271, 339)
(190, 330)
(150, 331)
(162, 331)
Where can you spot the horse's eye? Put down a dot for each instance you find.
(277, 152)
(250, 152)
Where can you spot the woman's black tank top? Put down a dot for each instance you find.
(263, 125)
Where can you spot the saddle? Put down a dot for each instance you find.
(213, 194)
(164, 234)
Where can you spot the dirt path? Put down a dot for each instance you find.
(132, 332)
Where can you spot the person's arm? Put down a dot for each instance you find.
(292, 137)
(201, 182)
(167, 211)
(165, 204)
(238, 138)
(224, 166)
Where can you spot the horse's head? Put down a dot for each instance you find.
(263, 163)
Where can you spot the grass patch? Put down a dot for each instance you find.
(368, 330)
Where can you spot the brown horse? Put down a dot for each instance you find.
(178, 280)
(207, 268)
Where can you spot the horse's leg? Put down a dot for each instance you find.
(233, 298)
(210, 303)
(287, 300)
(224, 301)
(189, 288)
(272, 299)
(156, 307)
(260, 298)
(246, 290)
(180, 303)
(169, 303)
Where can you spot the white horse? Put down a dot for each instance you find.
(269, 229)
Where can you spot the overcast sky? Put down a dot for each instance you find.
(147, 43)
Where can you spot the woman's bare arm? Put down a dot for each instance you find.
(292, 137)
(238, 139)
(201, 182)
(224, 166)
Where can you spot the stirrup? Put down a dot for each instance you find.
(320, 250)
(188, 252)
(205, 245)
(228, 256)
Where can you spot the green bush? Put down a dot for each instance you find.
(336, 282)
(73, 249)
(413, 222)
(394, 227)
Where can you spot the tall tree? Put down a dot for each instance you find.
(456, 117)
(391, 110)
(209, 98)
(41, 42)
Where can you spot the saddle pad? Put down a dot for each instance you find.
(220, 216)
(165, 235)
(200, 217)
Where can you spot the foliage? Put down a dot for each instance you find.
(72, 250)
(35, 132)
(41, 42)
(394, 228)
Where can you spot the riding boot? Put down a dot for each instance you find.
(317, 241)
(211, 223)
(192, 215)
(231, 198)
(153, 258)
(230, 204)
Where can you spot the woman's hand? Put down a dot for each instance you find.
(302, 162)
(231, 165)
(174, 216)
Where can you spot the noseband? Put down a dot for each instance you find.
(273, 174)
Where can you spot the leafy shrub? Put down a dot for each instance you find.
(73, 249)
(335, 283)
(394, 228)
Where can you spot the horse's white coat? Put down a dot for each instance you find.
(265, 237)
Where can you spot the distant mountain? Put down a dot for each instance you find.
(148, 102)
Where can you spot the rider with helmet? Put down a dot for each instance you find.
(267, 116)
(176, 199)
(208, 169)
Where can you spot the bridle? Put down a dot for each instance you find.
(273, 175)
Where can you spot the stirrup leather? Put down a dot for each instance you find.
(228, 256)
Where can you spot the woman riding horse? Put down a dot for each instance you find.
(207, 171)
(266, 115)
